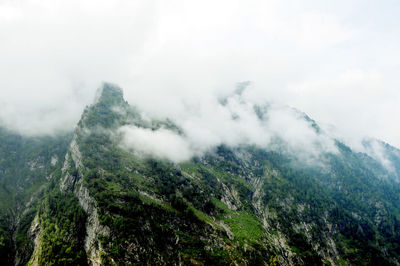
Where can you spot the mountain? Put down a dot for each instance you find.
(27, 165)
(84, 198)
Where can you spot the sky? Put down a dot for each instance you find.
(338, 61)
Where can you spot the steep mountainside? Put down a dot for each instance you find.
(85, 199)
(26, 166)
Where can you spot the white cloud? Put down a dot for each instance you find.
(376, 150)
(321, 30)
(162, 143)
(233, 122)
(337, 61)
(355, 101)
(54, 55)
(9, 13)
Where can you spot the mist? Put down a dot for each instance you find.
(234, 121)
(336, 61)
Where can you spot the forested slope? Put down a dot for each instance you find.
(101, 203)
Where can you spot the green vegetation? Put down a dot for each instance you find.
(243, 205)
(62, 225)
(25, 165)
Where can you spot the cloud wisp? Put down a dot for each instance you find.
(233, 121)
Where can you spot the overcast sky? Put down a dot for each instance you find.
(338, 61)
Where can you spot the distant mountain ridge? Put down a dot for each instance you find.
(85, 199)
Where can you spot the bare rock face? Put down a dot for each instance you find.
(230, 197)
(36, 233)
(70, 182)
(93, 228)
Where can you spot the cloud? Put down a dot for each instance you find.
(376, 150)
(321, 30)
(161, 143)
(337, 62)
(355, 102)
(233, 121)
(54, 54)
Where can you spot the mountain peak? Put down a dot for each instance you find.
(108, 109)
(109, 94)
